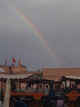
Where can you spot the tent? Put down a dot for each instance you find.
(19, 77)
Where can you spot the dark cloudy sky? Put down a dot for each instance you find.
(57, 20)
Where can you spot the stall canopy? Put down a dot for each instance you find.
(20, 77)
(72, 78)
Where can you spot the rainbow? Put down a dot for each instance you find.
(33, 28)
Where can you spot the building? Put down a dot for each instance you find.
(56, 74)
(15, 68)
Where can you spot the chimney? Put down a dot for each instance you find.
(19, 63)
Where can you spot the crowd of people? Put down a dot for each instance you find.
(49, 91)
(19, 103)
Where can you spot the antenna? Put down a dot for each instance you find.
(69, 63)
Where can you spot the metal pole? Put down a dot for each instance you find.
(1, 90)
(44, 87)
(69, 63)
(20, 86)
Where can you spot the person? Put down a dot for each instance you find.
(1, 104)
(51, 91)
(60, 102)
(73, 87)
(40, 88)
(13, 86)
(63, 89)
(19, 103)
(29, 88)
(46, 90)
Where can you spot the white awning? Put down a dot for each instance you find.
(73, 77)
(20, 77)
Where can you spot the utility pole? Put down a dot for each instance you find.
(69, 63)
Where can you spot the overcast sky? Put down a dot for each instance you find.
(58, 21)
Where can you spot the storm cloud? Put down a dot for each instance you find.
(58, 21)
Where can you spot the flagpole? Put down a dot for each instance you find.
(12, 61)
